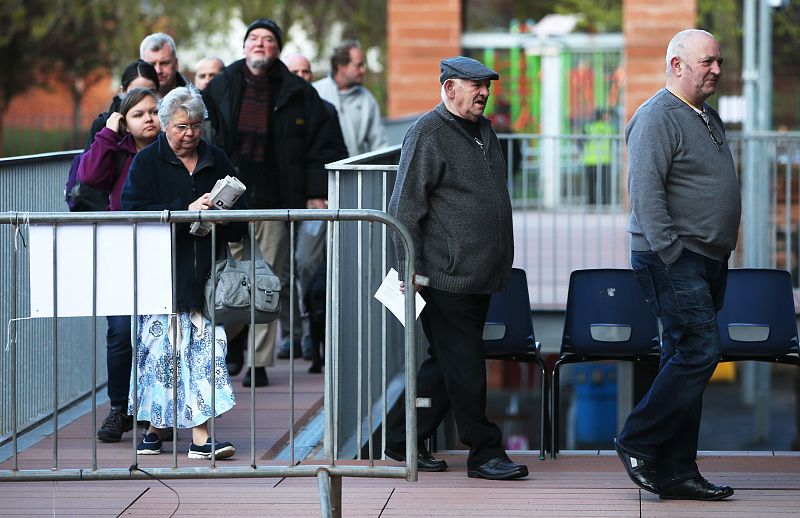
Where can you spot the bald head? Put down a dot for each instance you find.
(694, 65)
(205, 70)
(299, 65)
(680, 44)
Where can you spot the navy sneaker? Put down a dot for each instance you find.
(150, 445)
(222, 451)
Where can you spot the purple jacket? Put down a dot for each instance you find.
(102, 166)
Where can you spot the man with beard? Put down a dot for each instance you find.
(269, 122)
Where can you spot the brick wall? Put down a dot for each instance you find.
(49, 104)
(648, 25)
(421, 32)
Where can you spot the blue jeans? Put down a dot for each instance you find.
(118, 359)
(686, 295)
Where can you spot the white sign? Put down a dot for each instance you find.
(75, 269)
(732, 108)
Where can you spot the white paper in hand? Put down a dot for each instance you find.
(390, 296)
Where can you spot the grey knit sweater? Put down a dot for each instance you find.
(453, 198)
(684, 191)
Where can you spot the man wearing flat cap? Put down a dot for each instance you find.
(269, 122)
(451, 194)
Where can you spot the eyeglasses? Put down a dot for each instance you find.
(707, 120)
(197, 127)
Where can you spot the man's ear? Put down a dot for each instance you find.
(675, 64)
(450, 88)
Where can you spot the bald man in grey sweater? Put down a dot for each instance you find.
(686, 207)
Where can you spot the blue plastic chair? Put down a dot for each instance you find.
(508, 335)
(607, 318)
(757, 319)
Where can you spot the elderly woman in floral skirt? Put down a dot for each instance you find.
(177, 172)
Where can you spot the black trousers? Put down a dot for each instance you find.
(454, 376)
(118, 360)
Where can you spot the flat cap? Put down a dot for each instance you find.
(461, 67)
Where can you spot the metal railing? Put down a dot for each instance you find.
(571, 215)
(556, 230)
(372, 352)
(36, 184)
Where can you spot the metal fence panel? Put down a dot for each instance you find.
(336, 400)
(36, 184)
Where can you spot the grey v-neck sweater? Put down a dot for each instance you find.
(684, 192)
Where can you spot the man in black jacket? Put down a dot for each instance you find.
(310, 238)
(269, 123)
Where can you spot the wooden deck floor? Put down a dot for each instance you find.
(577, 484)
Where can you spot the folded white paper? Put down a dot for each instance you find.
(223, 196)
(390, 296)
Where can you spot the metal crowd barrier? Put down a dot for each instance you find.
(336, 401)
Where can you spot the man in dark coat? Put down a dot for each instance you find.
(269, 122)
(451, 194)
(311, 237)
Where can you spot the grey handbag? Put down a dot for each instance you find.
(232, 278)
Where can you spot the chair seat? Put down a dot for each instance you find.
(607, 318)
(757, 319)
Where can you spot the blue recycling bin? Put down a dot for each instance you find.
(595, 402)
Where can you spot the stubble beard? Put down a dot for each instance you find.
(262, 63)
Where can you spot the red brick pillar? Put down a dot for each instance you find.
(421, 32)
(648, 25)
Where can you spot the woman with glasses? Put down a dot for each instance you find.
(177, 172)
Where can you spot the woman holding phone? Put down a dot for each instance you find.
(105, 166)
(135, 126)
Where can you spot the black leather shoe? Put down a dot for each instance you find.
(639, 471)
(696, 488)
(425, 461)
(499, 468)
(261, 377)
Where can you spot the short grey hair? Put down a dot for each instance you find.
(185, 98)
(677, 45)
(156, 42)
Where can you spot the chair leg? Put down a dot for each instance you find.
(554, 413)
(543, 417)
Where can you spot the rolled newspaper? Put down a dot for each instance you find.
(223, 196)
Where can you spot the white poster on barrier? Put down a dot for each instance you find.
(75, 269)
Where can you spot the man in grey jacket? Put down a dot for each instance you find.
(451, 194)
(359, 114)
(684, 224)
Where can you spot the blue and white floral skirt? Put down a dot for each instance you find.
(195, 359)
